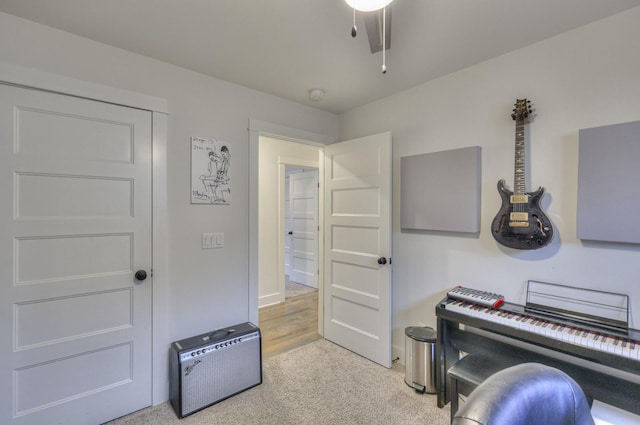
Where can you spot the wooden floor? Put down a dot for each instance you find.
(290, 324)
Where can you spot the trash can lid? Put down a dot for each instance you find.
(421, 333)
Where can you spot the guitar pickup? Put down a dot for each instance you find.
(519, 216)
(519, 199)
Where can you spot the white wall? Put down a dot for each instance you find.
(274, 154)
(584, 78)
(207, 288)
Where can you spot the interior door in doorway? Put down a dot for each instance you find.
(287, 225)
(303, 200)
(75, 184)
(358, 246)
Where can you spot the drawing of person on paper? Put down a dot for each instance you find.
(218, 179)
(215, 158)
(222, 172)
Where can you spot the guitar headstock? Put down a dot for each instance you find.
(522, 109)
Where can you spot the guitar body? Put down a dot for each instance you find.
(529, 228)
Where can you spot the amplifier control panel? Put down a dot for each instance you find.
(220, 345)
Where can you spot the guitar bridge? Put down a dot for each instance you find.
(518, 224)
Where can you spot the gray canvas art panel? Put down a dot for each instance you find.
(440, 191)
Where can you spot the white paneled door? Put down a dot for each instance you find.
(303, 199)
(287, 229)
(357, 276)
(75, 328)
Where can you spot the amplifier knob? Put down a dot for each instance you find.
(193, 354)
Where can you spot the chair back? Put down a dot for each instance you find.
(526, 394)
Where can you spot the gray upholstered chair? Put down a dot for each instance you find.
(526, 394)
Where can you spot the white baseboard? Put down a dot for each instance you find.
(270, 300)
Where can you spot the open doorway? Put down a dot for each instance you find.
(289, 247)
(358, 316)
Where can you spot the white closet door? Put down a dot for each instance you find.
(75, 184)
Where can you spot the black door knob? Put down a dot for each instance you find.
(141, 275)
(382, 260)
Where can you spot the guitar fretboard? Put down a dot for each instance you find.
(519, 164)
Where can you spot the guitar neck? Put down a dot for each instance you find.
(519, 164)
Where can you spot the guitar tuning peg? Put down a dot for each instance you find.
(530, 111)
(528, 101)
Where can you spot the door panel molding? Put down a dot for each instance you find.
(35, 295)
(358, 229)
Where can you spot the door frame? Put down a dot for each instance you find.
(30, 78)
(256, 129)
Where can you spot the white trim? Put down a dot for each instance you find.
(256, 129)
(32, 78)
(298, 162)
(253, 218)
(271, 299)
(160, 297)
(289, 134)
(316, 165)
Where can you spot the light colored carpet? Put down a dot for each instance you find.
(294, 289)
(319, 384)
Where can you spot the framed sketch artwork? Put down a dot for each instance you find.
(210, 164)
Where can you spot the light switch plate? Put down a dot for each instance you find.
(212, 240)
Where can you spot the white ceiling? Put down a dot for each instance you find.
(286, 47)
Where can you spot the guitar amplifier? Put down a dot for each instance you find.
(211, 367)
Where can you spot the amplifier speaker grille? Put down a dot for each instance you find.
(223, 366)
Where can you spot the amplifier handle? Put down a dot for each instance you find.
(219, 333)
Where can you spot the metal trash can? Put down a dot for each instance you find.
(420, 367)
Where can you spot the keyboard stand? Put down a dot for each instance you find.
(471, 371)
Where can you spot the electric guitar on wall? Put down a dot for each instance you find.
(521, 223)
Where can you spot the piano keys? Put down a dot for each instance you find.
(619, 345)
(604, 360)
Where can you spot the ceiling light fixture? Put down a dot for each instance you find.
(316, 95)
(370, 6)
